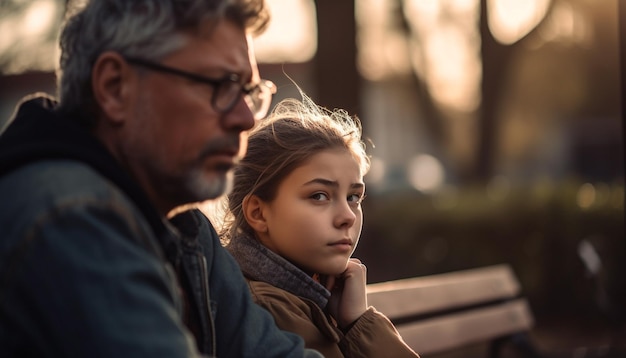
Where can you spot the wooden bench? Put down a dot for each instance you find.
(448, 311)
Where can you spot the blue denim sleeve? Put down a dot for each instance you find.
(75, 285)
(244, 328)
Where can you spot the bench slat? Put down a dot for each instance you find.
(459, 329)
(422, 295)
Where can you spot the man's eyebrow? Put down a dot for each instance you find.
(332, 183)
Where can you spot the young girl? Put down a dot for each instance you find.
(294, 221)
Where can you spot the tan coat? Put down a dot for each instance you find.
(372, 335)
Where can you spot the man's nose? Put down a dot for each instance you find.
(240, 118)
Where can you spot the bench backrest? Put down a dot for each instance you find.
(446, 311)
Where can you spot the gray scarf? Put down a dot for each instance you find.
(261, 264)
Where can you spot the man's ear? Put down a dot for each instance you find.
(253, 212)
(111, 84)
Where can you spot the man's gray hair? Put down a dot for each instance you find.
(150, 29)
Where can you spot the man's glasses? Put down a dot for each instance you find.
(227, 91)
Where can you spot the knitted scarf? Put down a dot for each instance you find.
(261, 264)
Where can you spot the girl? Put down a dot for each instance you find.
(294, 221)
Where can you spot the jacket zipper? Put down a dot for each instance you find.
(205, 289)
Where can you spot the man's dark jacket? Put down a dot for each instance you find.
(88, 268)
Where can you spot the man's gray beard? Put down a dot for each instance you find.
(202, 189)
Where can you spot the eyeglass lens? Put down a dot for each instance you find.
(226, 96)
(258, 99)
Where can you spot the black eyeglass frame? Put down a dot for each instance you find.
(246, 89)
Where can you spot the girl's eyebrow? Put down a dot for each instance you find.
(332, 183)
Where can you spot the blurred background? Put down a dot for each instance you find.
(495, 130)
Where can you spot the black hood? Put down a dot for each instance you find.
(39, 132)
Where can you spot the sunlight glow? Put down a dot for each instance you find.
(589, 256)
(565, 24)
(510, 20)
(38, 19)
(382, 48)
(377, 171)
(445, 49)
(292, 32)
(425, 173)
(455, 72)
(26, 43)
(586, 196)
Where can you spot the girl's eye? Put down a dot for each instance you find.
(319, 196)
(356, 198)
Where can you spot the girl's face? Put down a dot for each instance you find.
(315, 219)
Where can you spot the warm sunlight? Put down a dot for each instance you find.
(453, 59)
(292, 32)
(426, 173)
(446, 49)
(38, 18)
(382, 48)
(566, 25)
(25, 37)
(377, 172)
(442, 47)
(28, 34)
(511, 20)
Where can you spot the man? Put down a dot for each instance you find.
(155, 96)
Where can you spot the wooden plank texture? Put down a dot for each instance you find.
(456, 330)
(423, 295)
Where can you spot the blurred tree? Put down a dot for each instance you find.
(337, 78)
(496, 61)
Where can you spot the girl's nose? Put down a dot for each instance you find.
(345, 215)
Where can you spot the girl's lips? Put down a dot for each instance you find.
(342, 242)
(343, 245)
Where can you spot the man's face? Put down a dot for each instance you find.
(176, 144)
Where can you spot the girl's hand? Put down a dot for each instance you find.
(348, 299)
